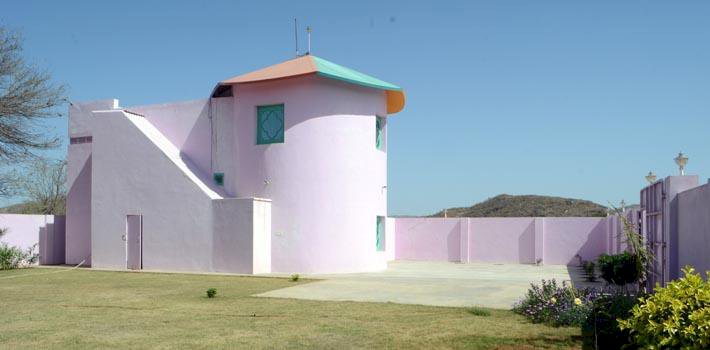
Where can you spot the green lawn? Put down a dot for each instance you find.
(52, 308)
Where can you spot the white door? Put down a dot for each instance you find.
(134, 233)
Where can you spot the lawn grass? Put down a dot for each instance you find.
(51, 308)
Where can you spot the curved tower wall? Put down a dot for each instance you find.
(327, 181)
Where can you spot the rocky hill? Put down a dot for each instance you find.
(505, 205)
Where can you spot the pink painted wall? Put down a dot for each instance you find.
(186, 124)
(566, 237)
(503, 240)
(22, 230)
(78, 229)
(45, 231)
(186, 226)
(327, 180)
(435, 239)
(694, 228)
(78, 220)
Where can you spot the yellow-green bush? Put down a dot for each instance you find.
(677, 316)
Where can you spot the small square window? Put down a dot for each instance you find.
(380, 234)
(218, 178)
(269, 124)
(380, 133)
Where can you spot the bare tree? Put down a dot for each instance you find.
(44, 187)
(27, 96)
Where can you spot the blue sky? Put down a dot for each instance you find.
(565, 98)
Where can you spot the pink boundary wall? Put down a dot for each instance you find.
(46, 231)
(555, 241)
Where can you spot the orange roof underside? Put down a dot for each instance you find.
(298, 66)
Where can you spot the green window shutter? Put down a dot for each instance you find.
(218, 178)
(380, 235)
(379, 135)
(269, 124)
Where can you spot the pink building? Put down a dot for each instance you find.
(280, 170)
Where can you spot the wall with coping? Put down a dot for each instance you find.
(44, 231)
(694, 228)
(502, 240)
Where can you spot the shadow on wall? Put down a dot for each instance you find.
(453, 243)
(503, 240)
(526, 245)
(78, 229)
(52, 242)
(566, 238)
(198, 143)
(44, 232)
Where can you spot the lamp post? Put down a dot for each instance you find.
(681, 160)
(651, 177)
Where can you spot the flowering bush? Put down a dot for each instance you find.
(13, 257)
(555, 304)
(674, 317)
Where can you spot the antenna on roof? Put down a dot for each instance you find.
(295, 32)
(309, 30)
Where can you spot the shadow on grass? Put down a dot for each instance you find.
(507, 343)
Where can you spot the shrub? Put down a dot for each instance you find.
(589, 271)
(556, 305)
(212, 292)
(601, 329)
(295, 277)
(13, 257)
(620, 269)
(676, 316)
(477, 311)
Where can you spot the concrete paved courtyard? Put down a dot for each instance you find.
(431, 283)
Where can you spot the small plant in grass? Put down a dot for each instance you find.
(295, 277)
(478, 311)
(212, 292)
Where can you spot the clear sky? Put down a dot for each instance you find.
(565, 98)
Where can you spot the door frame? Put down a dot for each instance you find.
(140, 246)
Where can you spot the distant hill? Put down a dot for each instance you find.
(30, 207)
(506, 205)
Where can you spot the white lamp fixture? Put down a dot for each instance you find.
(681, 160)
(651, 177)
